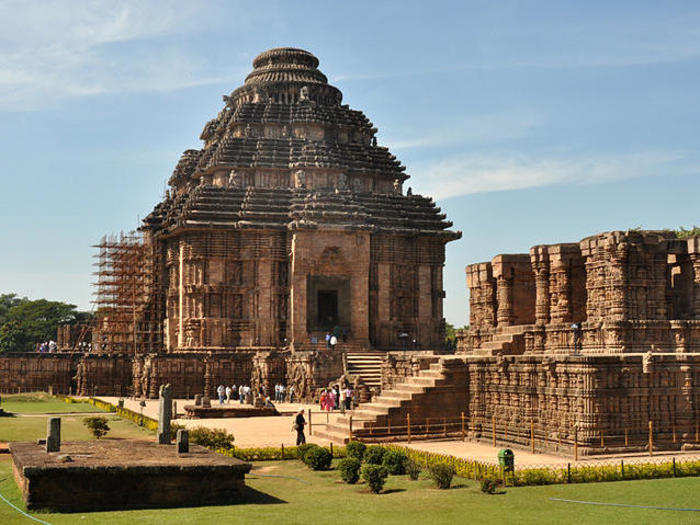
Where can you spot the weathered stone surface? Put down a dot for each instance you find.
(165, 414)
(107, 474)
(53, 434)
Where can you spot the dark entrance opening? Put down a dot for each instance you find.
(327, 308)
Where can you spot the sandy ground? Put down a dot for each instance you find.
(271, 431)
(276, 431)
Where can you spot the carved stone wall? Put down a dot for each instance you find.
(396, 366)
(595, 394)
(631, 291)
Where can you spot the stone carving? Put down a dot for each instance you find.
(53, 434)
(304, 94)
(300, 179)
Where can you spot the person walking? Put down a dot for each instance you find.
(348, 398)
(328, 340)
(228, 395)
(234, 393)
(336, 397)
(282, 393)
(332, 342)
(241, 394)
(221, 392)
(341, 399)
(299, 424)
(291, 393)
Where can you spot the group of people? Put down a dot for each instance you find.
(335, 398)
(244, 394)
(48, 347)
(241, 393)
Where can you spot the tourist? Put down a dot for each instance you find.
(333, 341)
(341, 399)
(282, 393)
(53, 346)
(323, 399)
(234, 393)
(335, 397)
(221, 392)
(299, 423)
(578, 333)
(291, 393)
(241, 394)
(228, 395)
(268, 403)
(348, 398)
(328, 340)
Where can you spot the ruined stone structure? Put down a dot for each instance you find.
(631, 292)
(526, 370)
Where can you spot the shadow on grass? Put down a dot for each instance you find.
(251, 495)
(392, 491)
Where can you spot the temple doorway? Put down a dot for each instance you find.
(327, 308)
(328, 304)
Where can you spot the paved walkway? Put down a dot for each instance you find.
(274, 431)
(267, 431)
(523, 458)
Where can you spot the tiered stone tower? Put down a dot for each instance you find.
(292, 221)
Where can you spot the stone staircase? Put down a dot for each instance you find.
(437, 392)
(367, 365)
(508, 340)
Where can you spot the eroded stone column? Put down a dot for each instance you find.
(165, 414)
(53, 434)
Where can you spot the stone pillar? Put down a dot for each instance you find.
(183, 441)
(165, 414)
(539, 258)
(694, 254)
(504, 290)
(53, 434)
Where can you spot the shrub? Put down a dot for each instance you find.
(349, 469)
(395, 462)
(374, 455)
(302, 450)
(214, 438)
(488, 485)
(356, 449)
(318, 458)
(374, 476)
(97, 425)
(442, 474)
(413, 469)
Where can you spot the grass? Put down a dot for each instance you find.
(288, 492)
(42, 403)
(29, 425)
(32, 428)
(316, 497)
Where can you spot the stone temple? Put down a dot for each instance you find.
(291, 221)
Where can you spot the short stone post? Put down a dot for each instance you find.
(53, 434)
(174, 409)
(183, 441)
(165, 414)
(198, 400)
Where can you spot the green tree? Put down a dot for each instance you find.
(12, 337)
(29, 322)
(8, 301)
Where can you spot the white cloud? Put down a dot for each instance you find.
(53, 50)
(467, 174)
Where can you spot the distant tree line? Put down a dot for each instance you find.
(25, 322)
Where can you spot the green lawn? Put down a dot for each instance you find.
(42, 403)
(32, 428)
(317, 497)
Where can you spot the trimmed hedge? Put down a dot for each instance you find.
(349, 469)
(395, 462)
(356, 449)
(374, 455)
(442, 474)
(318, 458)
(375, 476)
(476, 470)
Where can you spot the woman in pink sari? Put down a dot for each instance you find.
(324, 399)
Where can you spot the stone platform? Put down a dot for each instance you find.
(225, 411)
(130, 474)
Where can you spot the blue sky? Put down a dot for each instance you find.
(530, 122)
